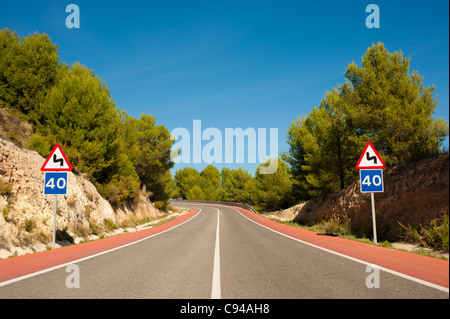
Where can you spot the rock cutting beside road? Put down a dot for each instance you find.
(26, 220)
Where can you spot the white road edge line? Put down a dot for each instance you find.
(420, 281)
(216, 290)
(4, 283)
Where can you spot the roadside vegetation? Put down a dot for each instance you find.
(435, 237)
(72, 106)
(382, 100)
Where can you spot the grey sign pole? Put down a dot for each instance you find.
(372, 198)
(54, 221)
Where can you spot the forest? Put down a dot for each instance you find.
(72, 106)
(382, 101)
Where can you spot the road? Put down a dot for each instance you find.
(216, 253)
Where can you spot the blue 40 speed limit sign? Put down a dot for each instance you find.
(371, 180)
(55, 183)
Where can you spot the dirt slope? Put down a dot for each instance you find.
(413, 194)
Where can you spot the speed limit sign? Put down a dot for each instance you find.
(371, 180)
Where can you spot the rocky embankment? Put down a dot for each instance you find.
(26, 218)
(414, 194)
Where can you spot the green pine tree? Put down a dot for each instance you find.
(392, 107)
(210, 183)
(28, 68)
(272, 191)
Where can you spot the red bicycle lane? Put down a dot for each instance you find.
(429, 269)
(20, 266)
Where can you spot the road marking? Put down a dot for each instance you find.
(216, 291)
(420, 281)
(4, 283)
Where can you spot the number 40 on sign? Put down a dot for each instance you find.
(55, 183)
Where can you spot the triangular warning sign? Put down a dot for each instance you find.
(370, 158)
(56, 161)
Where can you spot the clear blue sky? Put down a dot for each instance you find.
(256, 64)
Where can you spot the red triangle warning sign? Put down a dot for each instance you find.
(370, 158)
(56, 161)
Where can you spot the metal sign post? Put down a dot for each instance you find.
(55, 183)
(55, 208)
(371, 181)
(372, 198)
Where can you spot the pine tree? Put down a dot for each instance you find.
(236, 185)
(393, 108)
(382, 102)
(28, 68)
(272, 191)
(151, 156)
(185, 179)
(79, 113)
(210, 183)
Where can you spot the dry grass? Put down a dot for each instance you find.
(336, 225)
(435, 235)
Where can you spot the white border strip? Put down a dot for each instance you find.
(420, 281)
(4, 283)
(216, 290)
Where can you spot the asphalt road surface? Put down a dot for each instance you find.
(218, 253)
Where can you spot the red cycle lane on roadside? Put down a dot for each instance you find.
(16, 267)
(425, 268)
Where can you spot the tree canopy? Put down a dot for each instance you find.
(273, 191)
(28, 68)
(72, 106)
(264, 191)
(381, 101)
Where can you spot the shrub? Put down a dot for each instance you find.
(29, 225)
(110, 224)
(40, 144)
(435, 236)
(5, 189)
(5, 211)
(336, 225)
(161, 205)
(120, 190)
(94, 228)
